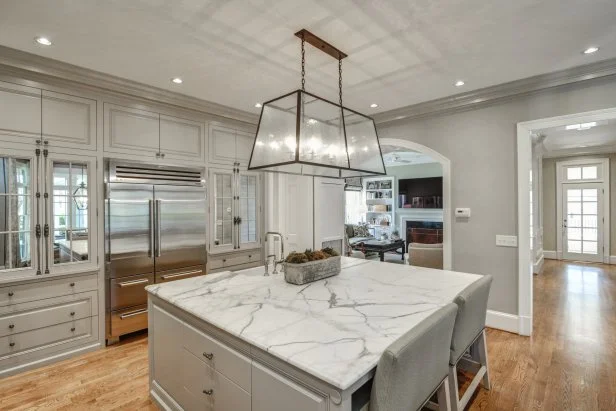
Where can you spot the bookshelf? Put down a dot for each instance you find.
(380, 205)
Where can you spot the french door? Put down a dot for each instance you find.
(582, 224)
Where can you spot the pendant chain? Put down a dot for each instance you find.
(303, 66)
(340, 80)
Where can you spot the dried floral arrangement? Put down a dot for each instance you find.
(309, 255)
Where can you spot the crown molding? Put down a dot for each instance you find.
(498, 93)
(37, 68)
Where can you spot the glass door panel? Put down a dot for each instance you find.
(248, 199)
(582, 214)
(221, 187)
(16, 213)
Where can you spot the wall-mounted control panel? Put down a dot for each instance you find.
(463, 212)
(507, 240)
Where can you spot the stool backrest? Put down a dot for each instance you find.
(412, 367)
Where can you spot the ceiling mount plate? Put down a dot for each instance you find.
(320, 44)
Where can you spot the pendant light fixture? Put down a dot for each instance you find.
(80, 195)
(302, 133)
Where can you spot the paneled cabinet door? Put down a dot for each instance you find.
(166, 335)
(20, 112)
(249, 209)
(131, 131)
(222, 210)
(222, 145)
(69, 121)
(243, 147)
(181, 139)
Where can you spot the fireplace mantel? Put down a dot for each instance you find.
(418, 214)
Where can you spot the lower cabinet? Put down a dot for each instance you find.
(238, 260)
(199, 372)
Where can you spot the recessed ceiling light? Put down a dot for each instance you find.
(43, 41)
(177, 80)
(258, 105)
(591, 50)
(459, 83)
(374, 105)
(582, 146)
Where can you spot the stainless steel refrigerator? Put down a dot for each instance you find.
(155, 231)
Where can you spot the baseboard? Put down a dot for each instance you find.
(503, 321)
(613, 259)
(550, 255)
(538, 266)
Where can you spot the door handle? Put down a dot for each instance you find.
(134, 313)
(131, 283)
(158, 228)
(151, 208)
(183, 274)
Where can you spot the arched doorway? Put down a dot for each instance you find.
(446, 167)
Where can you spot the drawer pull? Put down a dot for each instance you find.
(131, 283)
(208, 392)
(72, 313)
(11, 326)
(72, 284)
(12, 344)
(72, 329)
(224, 260)
(208, 356)
(11, 293)
(185, 273)
(132, 314)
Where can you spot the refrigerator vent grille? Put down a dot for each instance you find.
(145, 174)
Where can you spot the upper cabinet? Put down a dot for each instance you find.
(20, 112)
(69, 121)
(61, 119)
(152, 135)
(228, 146)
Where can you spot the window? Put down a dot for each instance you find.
(355, 208)
(583, 172)
(69, 220)
(15, 213)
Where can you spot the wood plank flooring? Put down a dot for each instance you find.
(568, 364)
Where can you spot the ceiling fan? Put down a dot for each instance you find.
(395, 158)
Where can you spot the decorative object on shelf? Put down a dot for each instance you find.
(395, 235)
(302, 133)
(385, 185)
(309, 266)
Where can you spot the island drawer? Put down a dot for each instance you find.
(206, 388)
(21, 293)
(129, 291)
(230, 260)
(128, 320)
(227, 361)
(23, 317)
(41, 337)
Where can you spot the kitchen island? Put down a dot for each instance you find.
(244, 341)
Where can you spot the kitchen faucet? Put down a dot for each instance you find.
(281, 261)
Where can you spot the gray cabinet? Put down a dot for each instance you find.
(20, 112)
(229, 146)
(166, 332)
(181, 139)
(68, 121)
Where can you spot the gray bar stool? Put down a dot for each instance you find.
(414, 367)
(468, 344)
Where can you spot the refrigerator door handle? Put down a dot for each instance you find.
(151, 207)
(158, 229)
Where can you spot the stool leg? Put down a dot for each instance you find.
(443, 396)
(482, 351)
(453, 388)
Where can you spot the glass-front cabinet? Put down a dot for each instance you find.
(234, 209)
(46, 226)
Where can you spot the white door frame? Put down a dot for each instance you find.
(446, 166)
(524, 160)
(604, 181)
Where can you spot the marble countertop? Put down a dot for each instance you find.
(334, 329)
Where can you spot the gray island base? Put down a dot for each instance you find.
(239, 341)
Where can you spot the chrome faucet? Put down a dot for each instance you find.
(281, 261)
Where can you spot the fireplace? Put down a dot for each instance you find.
(425, 232)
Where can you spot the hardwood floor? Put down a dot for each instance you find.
(568, 364)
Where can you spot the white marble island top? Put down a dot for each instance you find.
(334, 329)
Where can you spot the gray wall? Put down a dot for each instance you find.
(411, 171)
(549, 200)
(481, 145)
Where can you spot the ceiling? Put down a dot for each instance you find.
(558, 140)
(239, 52)
(397, 156)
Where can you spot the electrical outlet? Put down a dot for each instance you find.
(507, 240)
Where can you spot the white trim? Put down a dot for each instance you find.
(550, 255)
(503, 321)
(612, 259)
(446, 166)
(603, 179)
(524, 163)
(491, 95)
(538, 265)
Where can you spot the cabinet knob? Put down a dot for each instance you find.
(11, 326)
(157, 155)
(162, 155)
(208, 392)
(224, 260)
(72, 313)
(73, 329)
(249, 255)
(11, 293)
(12, 344)
(209, 356)
(72, 284)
